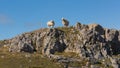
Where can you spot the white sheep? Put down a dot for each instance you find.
(50, 23)
(65, 22)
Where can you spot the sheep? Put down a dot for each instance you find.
(50, 23)
(65, 22)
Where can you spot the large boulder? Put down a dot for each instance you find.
(19, 44)
(27, 42)
(78, 25)
(96, 27)
(111, 35)
(112, 39)
(53, 42)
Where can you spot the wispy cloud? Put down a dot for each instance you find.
(5, 19)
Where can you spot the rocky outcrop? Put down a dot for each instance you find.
(53, 42)
(115, 62)
(47, 42)
(86, 41)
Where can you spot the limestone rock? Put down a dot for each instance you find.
(78, 25)
(111, 35)
(114, 63)
(96, 27)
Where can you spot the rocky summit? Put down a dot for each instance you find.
(79, 46)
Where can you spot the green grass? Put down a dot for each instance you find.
(67, 30)
(25, 60)
(77, 64)
(68, 54)
(20, 61)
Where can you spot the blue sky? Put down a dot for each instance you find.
(19, 16)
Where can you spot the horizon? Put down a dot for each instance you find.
(17, 17)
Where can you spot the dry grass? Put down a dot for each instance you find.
(68, 54)
(25, 60)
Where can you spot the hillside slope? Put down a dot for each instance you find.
(76, 46)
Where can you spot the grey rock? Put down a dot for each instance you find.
(78, 25)
(111, 35)
(96, 27)
(83, 41)
(53, 43)
(27, 48)
(114, 62)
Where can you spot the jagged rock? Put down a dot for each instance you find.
(111, 35)
(21, 47)
(114, 63)
(65, 22)
(27, 48)
(85, 27)
(104, 52)
(98, 55)
(85, 41)
(96, 27)
(78, 25)
(112, 38)
(22, 43)
(52, 42)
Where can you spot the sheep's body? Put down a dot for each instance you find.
(50, 23)
(65, 22)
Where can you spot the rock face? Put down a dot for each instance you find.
(65, 22)
(86, 41)
(53, 42)
(47, 42)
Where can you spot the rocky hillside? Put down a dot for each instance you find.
(90, 45)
